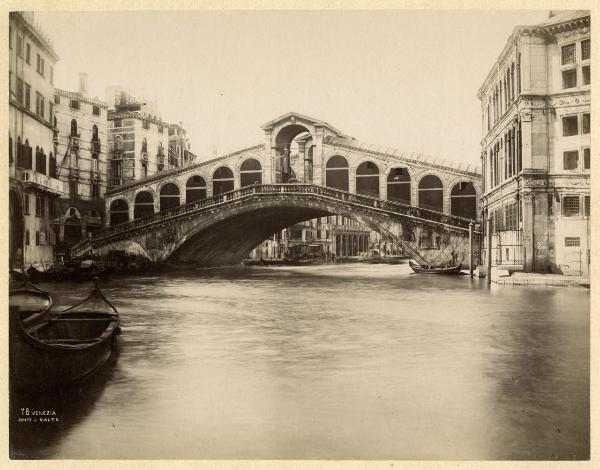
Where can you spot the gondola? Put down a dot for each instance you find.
(49, 275)
(32, 303)
(417, 268)
(63, 347)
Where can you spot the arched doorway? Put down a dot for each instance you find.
(222, 180)
(463, 200)
(169, 196)
(72, 226)
(367, 179)
(119, 212)
(16, 235)
(195, 189)
(398, 185)
(144, 205)
(431, 193)
(250, 172)
(284, 171)
(336, 173)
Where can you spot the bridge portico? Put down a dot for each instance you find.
(299, 149)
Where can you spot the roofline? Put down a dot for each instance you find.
(80, 97)
(37, 34)
(317, 122)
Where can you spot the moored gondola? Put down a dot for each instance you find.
(62, 348)
(32, 303)
(417, 268)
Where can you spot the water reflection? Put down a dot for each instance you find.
(335, 362)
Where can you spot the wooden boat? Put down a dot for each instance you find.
(50, 275)
(417, 268)
(32, 303)
(62, 348)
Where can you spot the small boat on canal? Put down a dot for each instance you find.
(60, 348)
(32, 303)
(419, 269)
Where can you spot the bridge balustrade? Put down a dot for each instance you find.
(295, 188)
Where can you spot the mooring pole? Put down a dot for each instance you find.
(488, 233)
(471, 226)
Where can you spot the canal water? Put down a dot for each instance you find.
(351, 361)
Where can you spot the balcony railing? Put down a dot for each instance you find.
(41, 182)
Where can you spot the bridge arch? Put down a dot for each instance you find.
(337, 172)
(143, 204)
(223, 179)
(399, 184)
(367, 178)
(250, 172)
(170, 195)
(195, 188)
(463, 200)
(282, 137)
(431, 192)
(119, 211)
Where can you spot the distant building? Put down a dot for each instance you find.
(138, 140)
(179, 146)
(325, 238)
(33, 186)
(536, 147)
(81, 163)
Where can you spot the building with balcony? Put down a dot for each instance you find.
(535, 105)
(179, 146)
(33, 186)
(138, 139)
(81, 163)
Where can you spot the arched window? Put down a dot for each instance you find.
(463, 200)
(144, 205)
(336, 173)
(118, 143)
(367, 179)
(431, 193)
(195, 189)
(144, 145)
(169, 196)
(250, 172)
(119, 212)
(73, 127)
(398, 185)
(222, 180)
(52, 168)
(94, 132)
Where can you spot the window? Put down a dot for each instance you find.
(38, 206)
(37, 237)
(570, 206)
(570, 160)
(586, 158)
(585, 49)
(570, 126)
(96, 110)
(118, 123)
(585, 75)
(27, 237)
(28, 53)
(19, 90)
(585, 123)
(569, 78)
(51, 75)
(568, 54)
(39, 104)
(20, 46)
(145, 124)
(56, 99)
(160, 129)
(26, 204)
(587, 206)
(27, 96)
(74, 104)
(571, 241)
(95, 190)
(40, 65)
(50, 110)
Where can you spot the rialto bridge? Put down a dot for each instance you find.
(217, 211)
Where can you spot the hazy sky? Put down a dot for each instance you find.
(399, 79)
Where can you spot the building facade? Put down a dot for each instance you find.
(179, 146)
(34, 187)
(81, 163)
(138, 140)
(536, 148)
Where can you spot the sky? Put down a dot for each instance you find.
(403, 79)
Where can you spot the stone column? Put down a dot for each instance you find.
(318, 176)
(526, 148)
(351, 178)
(527, 200)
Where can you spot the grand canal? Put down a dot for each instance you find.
(347, 361)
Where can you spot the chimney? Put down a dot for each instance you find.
(83, 86)
(551, 14)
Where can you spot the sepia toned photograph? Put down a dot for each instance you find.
(299, 234)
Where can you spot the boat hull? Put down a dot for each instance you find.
(418, 269)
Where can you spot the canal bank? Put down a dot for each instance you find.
(505, 277)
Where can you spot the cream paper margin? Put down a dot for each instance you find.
(116, 5)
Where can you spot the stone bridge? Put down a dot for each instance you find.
(218, 210)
